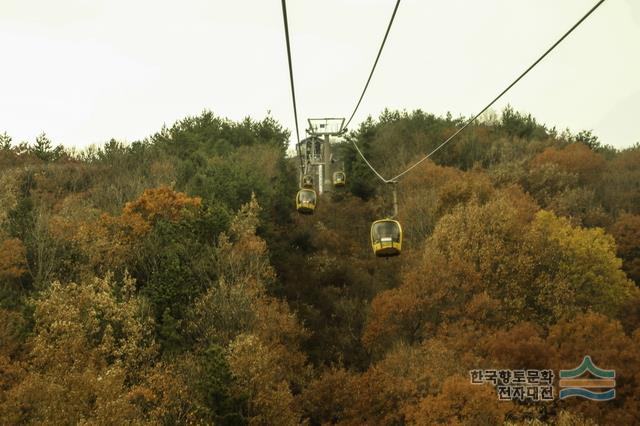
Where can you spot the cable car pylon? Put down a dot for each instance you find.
(386, 234)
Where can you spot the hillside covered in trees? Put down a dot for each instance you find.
(170, 281)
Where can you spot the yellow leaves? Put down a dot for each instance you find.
(13, 262)
(142, 396)
(487, 266)
(471, 185)
(11, 324)
(434, 290)
(163, 203)
(583, 269)
(483, 232)
(276, 323)
(163, 397)
(87, 348)
(541, 269)
(263, 373)
(459, 403)
(246, 220)
(243, 258)
(130, 226)
(261, 335)
(110, 241)
(327, 398)
(75, 325)
(78, 397)
(575, 158)
(390, 309)
(483, 308)
(431, 191)
(426, 365)
(379, 397)
(382, 393)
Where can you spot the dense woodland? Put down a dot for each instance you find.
(170, 280)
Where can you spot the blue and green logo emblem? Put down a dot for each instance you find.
(572, 384)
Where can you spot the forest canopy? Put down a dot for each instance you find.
(170, 280)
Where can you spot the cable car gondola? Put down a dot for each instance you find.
(339, 179)
(386, 234)
(306, 201)
(386, 237)
(307, 181)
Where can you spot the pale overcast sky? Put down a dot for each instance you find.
(85, 71)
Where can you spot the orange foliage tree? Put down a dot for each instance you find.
(459, 403)
(547, 271)
(610, 348)
(563, 346)
(575, 158)
(111, 241)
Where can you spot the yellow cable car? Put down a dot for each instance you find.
(386, 237)
(339, 179)
(306, 201)
(307, 181)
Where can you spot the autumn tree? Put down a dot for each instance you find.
(626, 231)
(261, 336)
(505, 264)
(13, 267)
(87, 345)
(13, 262)
(621, 181)
(610, 348)
(211, 309)
(586, 272)
(575, 158)
(459, 403)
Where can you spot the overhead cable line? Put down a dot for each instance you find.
(503, 92)
(367, 162)
(395, 178)
(293, 90)
(384, 40)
